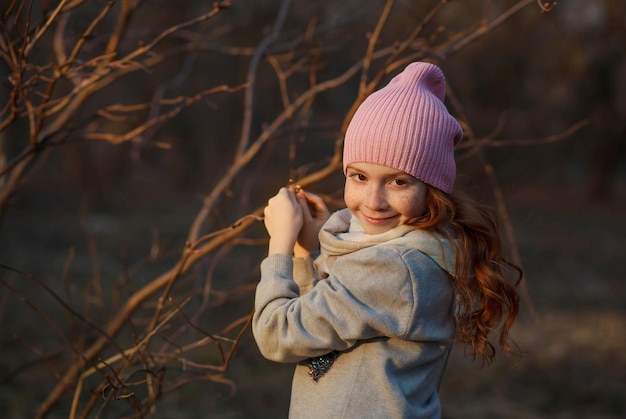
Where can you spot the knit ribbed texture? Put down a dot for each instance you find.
(405, 125)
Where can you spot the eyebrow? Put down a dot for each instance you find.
(394, 172)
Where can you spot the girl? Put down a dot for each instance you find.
(400, 271)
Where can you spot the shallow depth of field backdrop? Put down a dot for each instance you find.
(139, 141)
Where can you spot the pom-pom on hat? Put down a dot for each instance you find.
(405, 125)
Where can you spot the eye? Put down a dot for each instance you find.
(358, 177)
(399, 182)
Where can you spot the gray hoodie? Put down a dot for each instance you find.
(381, 305)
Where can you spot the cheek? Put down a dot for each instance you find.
(418, 209)
(349, 197)
(412, 206)
(354, 195)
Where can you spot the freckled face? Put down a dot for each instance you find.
(381, 197)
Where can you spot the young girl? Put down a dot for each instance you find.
(401, 271)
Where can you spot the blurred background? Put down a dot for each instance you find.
(94, 219)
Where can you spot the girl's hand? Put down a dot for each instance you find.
(283, 221)
(314, 214)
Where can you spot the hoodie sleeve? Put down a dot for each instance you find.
(371, 293)
(304, 274)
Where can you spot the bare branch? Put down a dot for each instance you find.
(30, 45)
(159, 119)
(83, 38)
(217, 7)
(448, 49)
(127, 8)
(475, 146)
(372, 45)
(545, 140)
(243, 160)
(250, 79)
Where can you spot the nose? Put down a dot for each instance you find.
(376, 199)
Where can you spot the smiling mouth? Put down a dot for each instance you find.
(377, 221)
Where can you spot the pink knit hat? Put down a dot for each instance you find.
(405, 125)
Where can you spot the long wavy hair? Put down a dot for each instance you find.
(486, 298)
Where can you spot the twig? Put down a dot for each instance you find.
(502, 209)
(65, 64)
(136, 132)
(126, 10)
(489, 141)
(411, 39)
(251, 77)
(217, 7)
(371, 45)
(114, 326)
(114, 358)
(509, 231)
(483, 29)
(54, 295)
(546, 6)
(251, 152)
(544, 140)
(32, 42)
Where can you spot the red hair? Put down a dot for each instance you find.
(486, 302)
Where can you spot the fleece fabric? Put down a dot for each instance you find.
(384, 302)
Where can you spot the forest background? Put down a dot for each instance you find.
(140, 140)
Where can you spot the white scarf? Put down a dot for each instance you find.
(343, 234)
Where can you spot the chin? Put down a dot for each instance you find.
(369, 229)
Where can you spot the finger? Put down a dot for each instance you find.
(289, 193)
(304, 205)
(267, 219)
(307, 203)
(282, 200)
(316, 205)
